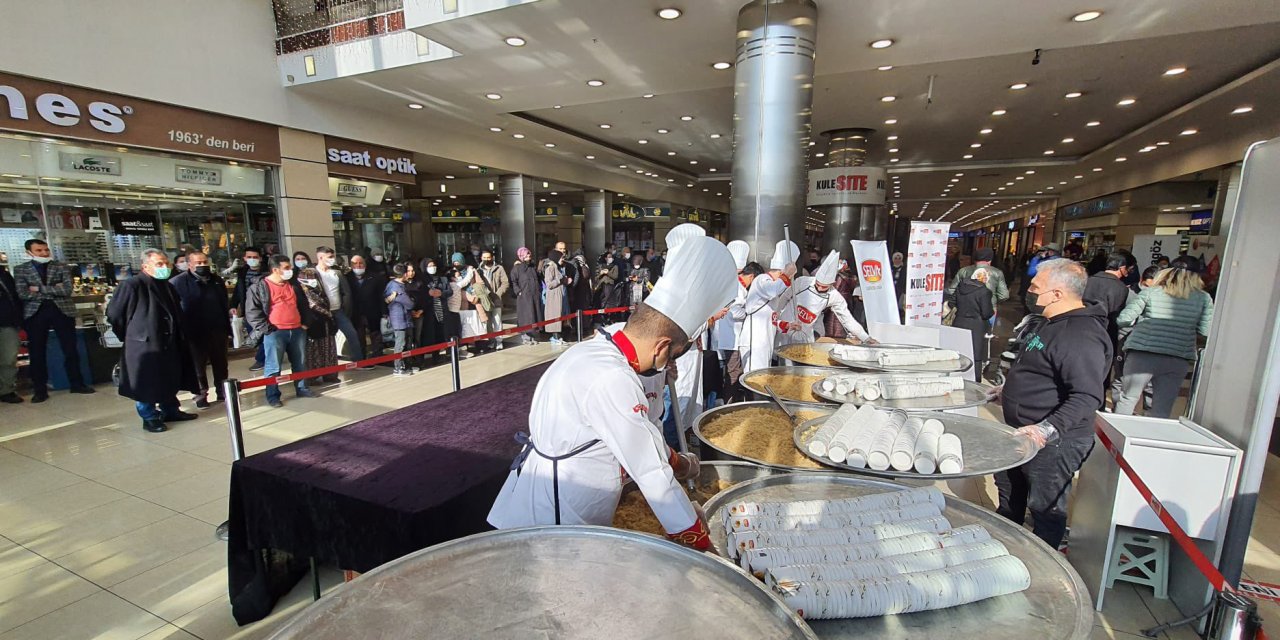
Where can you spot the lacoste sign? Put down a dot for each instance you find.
(81, 163)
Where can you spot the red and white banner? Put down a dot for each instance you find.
(875, 276)
(926, 272)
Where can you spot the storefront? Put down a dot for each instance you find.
(369, 188)
(458, 227)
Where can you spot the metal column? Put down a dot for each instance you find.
(597, 207)
(773, 100)
(515, 212)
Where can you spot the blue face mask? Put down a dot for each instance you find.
(161, 273)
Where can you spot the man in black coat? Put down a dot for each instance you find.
(247, 276)
(1107, 288)
(368, 305)
(205, 317)
(10, 321)
(154, 363)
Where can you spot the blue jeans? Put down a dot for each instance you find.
(276, 344)
(258, 354)
(148, 411)
(348, 330)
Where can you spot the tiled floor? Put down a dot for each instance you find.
(106, 531)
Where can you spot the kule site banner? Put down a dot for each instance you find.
(875, 276)
(926, 272)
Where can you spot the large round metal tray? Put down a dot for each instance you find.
(946, 366)
(753, 381)
(989, 447)
(1056, 607)
(812, 354)
(972, 395)
(710, 451)
(551, 582)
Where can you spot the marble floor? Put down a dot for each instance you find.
(106, 531)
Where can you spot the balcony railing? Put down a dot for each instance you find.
(310, 24)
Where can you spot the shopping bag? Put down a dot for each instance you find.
(239, 333)
(471, 325)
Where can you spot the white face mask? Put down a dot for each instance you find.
(329, 262)
(252, 262)
(377, 258)
(286, 274)
(308, 283)
(41, 259)
(358, 271)
(301, 264)
(182, 266)
(432, 270)
(627, 256)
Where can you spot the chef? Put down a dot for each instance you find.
(725, 332)
(769, 293)
(816, 294)
(688, 385)
(589, 425)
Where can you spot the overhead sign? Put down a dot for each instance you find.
(1090, 208)
(86, 163)
(1147, 248)
(197, 175)
(354, 191)
(926, 272)
(847, 185)
(135, 224)
(47, 108)
(362, 160)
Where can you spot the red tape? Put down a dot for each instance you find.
(1201, 561)
(435, 348)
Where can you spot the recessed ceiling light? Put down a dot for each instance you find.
(1000, 189)
(892, 138)
(968, 156)
(1175, 71)
(515, 41)
(556, 107)
(670, 13)
(496, 129)
(975, 145)
(1240, 110)
(493, 96)
(1068, 140)
(1048, 152)
(518, 136)
(591, 157)
(449, 177)
(888, 98)
(622, 166)
(473, 166)
(686, 118)
(1030, 172)
(1079, 177)
(595, 83)
(1188, 132)
(1092, 123)
(1162, 143)
(693, 162)
(647, 95)
(891, 121)
(882, 44)
(1126, 102)
(893, 159)
(550, 145)
(893, 150)
(606, 126)
(641, 171)
(955, 179)
(1062, 182)
(1086, 16)
(1096, 169)
(705, 190)
(712, 169)
(664, 131)
(1121, 159)
(999, 112)
(414, 105)
(642, 141)
(884, 68)
(714, 136)
(721, 66)
(1147, 149)
(1018, 178)
(1018, 86)
(1073, 94)
(671, 153)
(984, 131)
(819, 155)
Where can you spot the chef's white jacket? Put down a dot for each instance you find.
(764, 299)
(808, 308)
(589, 393)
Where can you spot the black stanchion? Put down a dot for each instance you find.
(453, 362)
(231, 394)
(578, 322)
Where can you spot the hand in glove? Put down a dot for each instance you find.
(685, 466)
(994, 394)
(1039, 434)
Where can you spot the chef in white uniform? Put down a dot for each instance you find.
(816, 294)
(769, 293)
(589, 423)
(725, 335)
(689, 398)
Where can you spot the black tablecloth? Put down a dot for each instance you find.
(373, 491)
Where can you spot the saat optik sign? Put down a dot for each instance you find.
(847, 185)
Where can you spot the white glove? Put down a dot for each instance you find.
(1039, 434)
(994, 394)
(687, 466)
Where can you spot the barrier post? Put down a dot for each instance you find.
(578, 322)
(453, 363)
(231, 395)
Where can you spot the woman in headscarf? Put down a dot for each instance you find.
(321, 349)
(439, 322)
(527, 287)
(580, 290)
(415, 288)
(462, 282)
(973, 309)
(556, 303)
(638, 279)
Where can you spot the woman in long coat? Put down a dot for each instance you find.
(155, 364)
(554, 279)
(973, 310)
(526, 285)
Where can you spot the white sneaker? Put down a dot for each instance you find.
(499, 347)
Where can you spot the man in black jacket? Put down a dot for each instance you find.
(247, 276)
(203, 294)
(1108, 290)
(1052, 394)
(10, 320)
(368, 306)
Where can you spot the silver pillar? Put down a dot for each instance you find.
(599, 223)
(772, 102)
(845, 222)
(515, 213)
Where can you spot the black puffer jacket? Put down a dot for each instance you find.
(1060, 373)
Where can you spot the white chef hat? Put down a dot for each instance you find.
(698, 279)
(784, 253)
(740, 251)
(826, 273)
(681, 232)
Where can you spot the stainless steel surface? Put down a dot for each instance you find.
(773, 98)
(710, 451)
(1056, 607)
(789, 353)
(753, 380)
(735, 472)
(778, 401)
(515, 211)
(846, 148)
(988, 447)
(598, 223)
(972, 395)
(551, 582)
(945, 366)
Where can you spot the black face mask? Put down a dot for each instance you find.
(203, 271)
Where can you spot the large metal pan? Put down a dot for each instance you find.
(756, 380)
(712, 451)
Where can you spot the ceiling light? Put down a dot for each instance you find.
(888, 99)
(984, 131)
(1146, 149)
(960, 174)
(714, 136)
(721, 66)
(1018, 86)
(712, 169)
(1188, 132)
(1068, 140)
(1079, 177)
(1048, 152)
(1008, 184)
(975, 145)
(1030, 172)
(1096, 169)
(642, 141)
(893, 150)
(819, 155)
(1240, 110)
(664, 131)
(1175, 71)
(556, 107)
(493, 96)
(1019, 178)
(1000, 189)
(686, 118)
(882, 44)
(472, 166)
(884, 68)
(1162, 143)
(1126, 102)
(1062, 182)
(968, 156)
(669, 13)
(518, 136)
(449, 177)
(595, 83)
(622, 166)
(955, 179)
(1092, 123)
(550, 145)
(1086, 16)
(671, 153)
(891, 138)
(693, 162)
(515, 41)
(591, 157)
(606, 126)
(641, 171)
(414, 105)
(999, 112)
(1073, 94)
(891, 121)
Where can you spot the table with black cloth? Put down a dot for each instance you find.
(372, 491)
